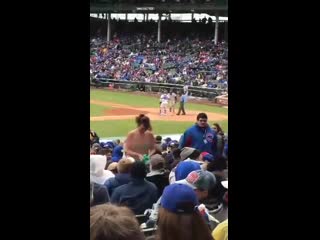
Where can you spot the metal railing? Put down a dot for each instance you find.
(209, 93)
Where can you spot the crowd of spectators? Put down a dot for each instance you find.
(141, 58)
(175, 184)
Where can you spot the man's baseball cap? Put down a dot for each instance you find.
(199, 179)
(179, 198)
(184, 168)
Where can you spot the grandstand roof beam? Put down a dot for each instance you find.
(209, 8)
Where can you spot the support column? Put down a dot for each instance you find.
(192, 15)
(126, 16)
(159, 27)
(216, 30)
(109, 30)
(147, 16)
(144, 17)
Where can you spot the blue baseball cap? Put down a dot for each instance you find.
(173, 143)
(184, 168)
(117, 153)
(207, 156)
(179, 198)
(107, 145)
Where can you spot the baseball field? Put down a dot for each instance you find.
(112, 113)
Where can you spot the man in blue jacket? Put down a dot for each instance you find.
(139, 194)
(200, 136)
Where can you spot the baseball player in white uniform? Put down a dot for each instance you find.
(164, 99)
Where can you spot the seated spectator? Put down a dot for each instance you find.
(190, 154)
(99, 194)
(94, 138)
(123, 177)
(113, 222)
(178, 216)
(176, 158)
(139, 194)
(187, 154)
(206, 158)
(158, 175)
(200, 181)
(182, 170)
(117, 153)
(168, 155)
(105, 152)
(221, 231)
(98, 174)
(113, 168)
(95, 148)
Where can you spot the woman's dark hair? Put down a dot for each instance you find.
(219, 129)
(144, 120)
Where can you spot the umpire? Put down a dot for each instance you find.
(183, 100)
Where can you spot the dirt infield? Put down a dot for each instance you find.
(121, 111)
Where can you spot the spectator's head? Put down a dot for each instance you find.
(156, 162)
(205, 156)
(184, 168)
(219, 164)
(108, 221)
(202, 120)
(98, 174)
(113, 167)
(117, 153)
(188, 152)
(216, 128)
(172, 145)
(143, 123)
(176, 154)
(178, 216)
(201, 181)
(125, 165)
(138, 170)
(95, 148)
(158, 139)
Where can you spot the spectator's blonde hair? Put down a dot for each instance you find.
(111, 222)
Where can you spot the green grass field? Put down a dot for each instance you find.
(97, 110)
(115, 128)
